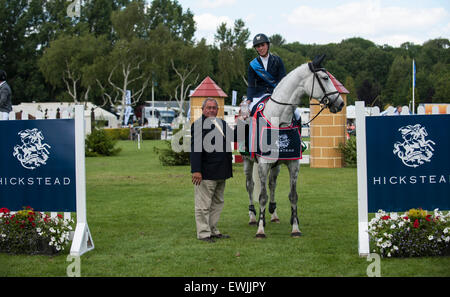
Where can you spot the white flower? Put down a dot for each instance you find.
(430, 237)
(395, 247)
(52, 239)
(52, 230)
(447, 239)
(446, 230)
(401, 224)
(38, 230)
(393, 226)
(393, 215)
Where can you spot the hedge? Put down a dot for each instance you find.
(124, 133)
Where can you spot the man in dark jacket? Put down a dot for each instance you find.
(265, 71)
(5, 97)
(211, 165)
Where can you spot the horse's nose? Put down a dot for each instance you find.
(341, 106)
(337, 106)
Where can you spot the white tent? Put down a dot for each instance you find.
(39, 108)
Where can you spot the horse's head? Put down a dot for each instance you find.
(322, 87)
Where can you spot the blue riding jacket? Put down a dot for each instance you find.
(257, 86)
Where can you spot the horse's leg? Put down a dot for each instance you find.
(274, 171)
(248, 171)
(263, 170)
(294, 168)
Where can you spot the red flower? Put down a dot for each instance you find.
(428, 218)
(416, 223)
(385, 218)
(405, 218)
(60, 216)
(4, 210)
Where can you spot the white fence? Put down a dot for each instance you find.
(375, 111)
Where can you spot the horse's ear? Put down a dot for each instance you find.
(317, 62)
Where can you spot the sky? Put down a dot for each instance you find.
(390, 22)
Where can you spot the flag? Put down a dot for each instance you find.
(234, 97)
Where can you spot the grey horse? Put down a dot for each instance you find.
(310, 79)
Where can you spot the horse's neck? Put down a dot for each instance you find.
(289, 91)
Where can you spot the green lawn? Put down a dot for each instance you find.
(141, 217)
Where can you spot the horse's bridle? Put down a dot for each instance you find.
(325, 101)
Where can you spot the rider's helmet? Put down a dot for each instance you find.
(260, 38)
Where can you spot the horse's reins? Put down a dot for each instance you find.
(325, 101)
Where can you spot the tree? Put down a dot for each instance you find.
(232, 42)
(441, 83)
(66, 61)
(398, 84)
(129, 23)
(350, 86)
(128, 71)
(97, 15)
(277, 40)
(189, 63)
(170, 14)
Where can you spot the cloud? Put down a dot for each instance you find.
(368, 19)
(207, 25)
(210, 22)
(215, 3)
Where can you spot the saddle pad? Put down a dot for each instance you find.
(274, 143)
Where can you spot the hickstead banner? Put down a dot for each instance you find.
(408, 162)
(37, 165)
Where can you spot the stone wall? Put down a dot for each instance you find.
(328, 130)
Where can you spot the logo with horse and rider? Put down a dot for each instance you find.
(32, 153)
(415, 150)
(283, 141)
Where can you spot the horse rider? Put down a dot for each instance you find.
(265, 71)
(5, 97)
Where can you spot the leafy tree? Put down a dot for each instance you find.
(441, 82)
(277, 40)
(232, 42)
(189, 63)
(398, 82)
(68, 59)
(350, 86)
(129, 23)
(170, 13)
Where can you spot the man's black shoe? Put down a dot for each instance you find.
(208, 239)
(220, 236)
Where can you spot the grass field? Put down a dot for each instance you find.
(141, 217)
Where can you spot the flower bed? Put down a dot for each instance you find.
(416, 233)
(32, 232)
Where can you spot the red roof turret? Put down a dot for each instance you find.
(208, 88)
(338, 85)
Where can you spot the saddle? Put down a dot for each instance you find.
(269, 142)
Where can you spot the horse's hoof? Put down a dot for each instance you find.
(260, 235)
(296, 234)
(275, 221)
